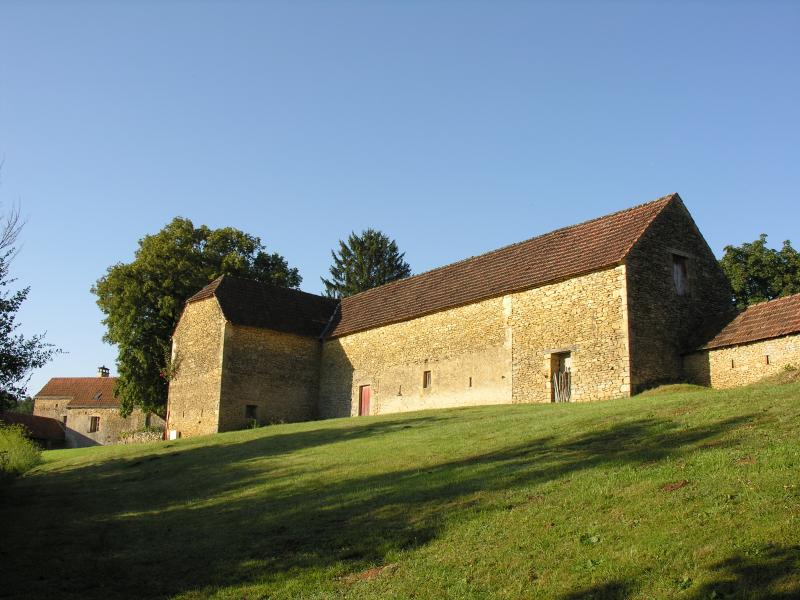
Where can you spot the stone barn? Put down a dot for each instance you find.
(593, 311)
(89, 410)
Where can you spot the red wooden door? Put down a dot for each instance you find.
(363, 400)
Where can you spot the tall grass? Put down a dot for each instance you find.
(17, 453)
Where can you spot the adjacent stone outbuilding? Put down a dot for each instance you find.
(598, 310)
(761, 341)
(88, 410)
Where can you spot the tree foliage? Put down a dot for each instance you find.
(363, 262)
(18, 355)
(758, 273)
(143, 300)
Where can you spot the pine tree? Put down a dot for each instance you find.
(363, 262)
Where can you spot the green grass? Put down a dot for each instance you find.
(681, 494)
(17, 453)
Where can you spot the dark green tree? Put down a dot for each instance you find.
(363, 262)
(18, 355)
(758, 273)
(143, 299)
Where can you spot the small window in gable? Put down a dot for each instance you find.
(680, 274)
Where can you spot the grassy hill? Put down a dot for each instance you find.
(688, 493)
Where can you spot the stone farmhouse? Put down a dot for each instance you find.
(88, 409)
(598, 310)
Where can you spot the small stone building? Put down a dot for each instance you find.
(88, 409)
(763, 340)
(598, 310)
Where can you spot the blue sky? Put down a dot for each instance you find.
(455, 127)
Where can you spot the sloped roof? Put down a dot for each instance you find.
(40, 428)
(253, 304)
(554, 256)
(85, 392)
(761, 321)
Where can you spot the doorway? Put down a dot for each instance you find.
(363, 400)
(561, 377)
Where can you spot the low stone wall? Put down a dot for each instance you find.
(140, 437)
(743, 364)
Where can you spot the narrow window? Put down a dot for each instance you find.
(426, 379)
(251, 411)
(64, 418)
(94, 424)
(731, 363)
(470, 382)
(766, 359)
(680, 273)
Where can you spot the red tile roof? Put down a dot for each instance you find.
(85, 392)
(761, 321)
(40, 428)
(558, 255)
(253, 304)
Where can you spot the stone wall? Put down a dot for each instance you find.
(55, 408)
(467, 344)
(110, 427)
(742, 364)
(197, 349)
(278, 373)
(663, 324)
(585, 316)
(491, 352)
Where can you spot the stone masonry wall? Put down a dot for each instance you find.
(111, 426)
(472, 341)
(276, 372)
(664, 325)
(194, 391)
(55, 408)
(491, 352)
(585, 316)
(743, 364)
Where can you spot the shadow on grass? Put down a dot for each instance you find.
(772, 574)
(199, 519)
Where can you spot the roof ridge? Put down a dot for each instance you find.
(665, 199)
(211, 288)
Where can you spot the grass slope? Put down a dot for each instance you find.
(686, 494)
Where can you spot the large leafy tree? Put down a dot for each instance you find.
(142, 300)
(759, 273)
(363, 262)
(18, 355)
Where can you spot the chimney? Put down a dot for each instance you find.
(102, 371)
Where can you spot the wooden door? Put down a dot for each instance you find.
(363, 400)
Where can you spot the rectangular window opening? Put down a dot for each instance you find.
(94, 424)
(680, 274)
(766, 359)
(470, 382)
(426, 379)
(251, 411)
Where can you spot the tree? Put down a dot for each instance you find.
(18, 355)
(759, 273)
(142, 300)
(364, 262)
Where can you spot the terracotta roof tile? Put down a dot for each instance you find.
(85, 392)
(40, 428)
(554, 256)
(761, 321)
(253, 304)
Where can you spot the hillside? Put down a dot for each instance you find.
(688, 493)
